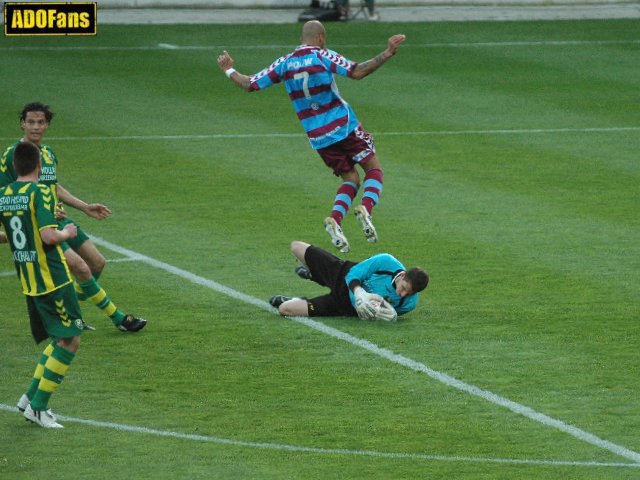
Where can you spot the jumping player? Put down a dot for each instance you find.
(329, 121)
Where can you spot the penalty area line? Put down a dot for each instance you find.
(435, 45)
(428, 133)
(328, 451)
(387, 354)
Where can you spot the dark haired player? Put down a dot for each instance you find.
(379, 287)
(27, 214)
(84, 259)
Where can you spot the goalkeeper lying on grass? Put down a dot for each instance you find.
(378, 288)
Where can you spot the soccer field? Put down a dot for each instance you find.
(510, 153)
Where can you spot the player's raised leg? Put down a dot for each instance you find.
(372, 188)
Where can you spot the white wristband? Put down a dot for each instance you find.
(229, 71)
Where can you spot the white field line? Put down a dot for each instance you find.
(381, 352)
(329, 451)
(168, 46)
(232, 136)
(387, 354)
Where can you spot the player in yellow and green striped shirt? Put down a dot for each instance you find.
(27, 214)
(84, 259)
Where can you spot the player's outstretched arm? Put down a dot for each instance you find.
(225, 62)
(95, 210)
(98, 211)
(365, 68)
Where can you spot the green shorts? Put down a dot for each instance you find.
(75, 242)
(55, 314)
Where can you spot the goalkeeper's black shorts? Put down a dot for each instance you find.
(329, 271)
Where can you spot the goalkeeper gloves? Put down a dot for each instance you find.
(386, 312)
(365, 306)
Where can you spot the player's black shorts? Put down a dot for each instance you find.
(329, 271)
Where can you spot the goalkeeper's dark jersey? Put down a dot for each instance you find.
(49, 175)
(25, 209)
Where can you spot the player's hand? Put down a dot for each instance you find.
(225, 61)
(71, 229)
(386, 312)
(365, 307)
(60, 212)
(394, 43)
(97, 211)
(3, 237)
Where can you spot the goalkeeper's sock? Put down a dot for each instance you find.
(96, 294)
(55, 368)
(343, 200)
(37, 375)
(372, 188)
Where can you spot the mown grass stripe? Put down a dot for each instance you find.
(385, 353)
(328, 451)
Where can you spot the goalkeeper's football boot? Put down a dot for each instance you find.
(337, 236)
(44, 418)
(303, 272)
(131, 323)
(367, 227)
(278, 300)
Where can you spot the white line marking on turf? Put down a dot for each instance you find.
(232, 136)
(121, 260)
(161, 46)
(387, 354)
(327, 451)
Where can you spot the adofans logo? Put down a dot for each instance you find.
(50, 18)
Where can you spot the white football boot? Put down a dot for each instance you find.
(23, 403)
(337, 236)
(367, 226)
(44, 418)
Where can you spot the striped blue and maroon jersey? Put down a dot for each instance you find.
(307, 73)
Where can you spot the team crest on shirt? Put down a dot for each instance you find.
(315, 106)
(79, 323)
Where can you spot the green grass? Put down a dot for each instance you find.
(511, 175)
